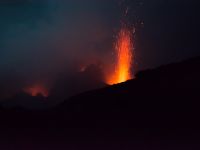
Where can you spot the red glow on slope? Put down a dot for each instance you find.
(36, 90)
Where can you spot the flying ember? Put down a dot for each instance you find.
(124, 58)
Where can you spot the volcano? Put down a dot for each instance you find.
(172, 88)
(160, 104)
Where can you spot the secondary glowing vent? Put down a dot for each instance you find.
(36, 90)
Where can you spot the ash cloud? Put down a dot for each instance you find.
(48, 41)
(42, 39)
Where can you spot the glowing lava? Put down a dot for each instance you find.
(36, 90)
(124, 58)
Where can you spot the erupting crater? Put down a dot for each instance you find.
(122, 70)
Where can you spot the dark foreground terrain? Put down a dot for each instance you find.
(158, 110)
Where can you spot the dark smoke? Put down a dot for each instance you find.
(43, 39)
(50, 41)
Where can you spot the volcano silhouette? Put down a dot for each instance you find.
(162, 103)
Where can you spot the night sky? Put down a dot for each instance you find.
(40, 39)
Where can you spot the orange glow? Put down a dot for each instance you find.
(36, 90)
(124, 58)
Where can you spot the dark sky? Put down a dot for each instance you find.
(41, 38)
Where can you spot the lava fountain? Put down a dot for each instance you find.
(121, 71)
(36, 90)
